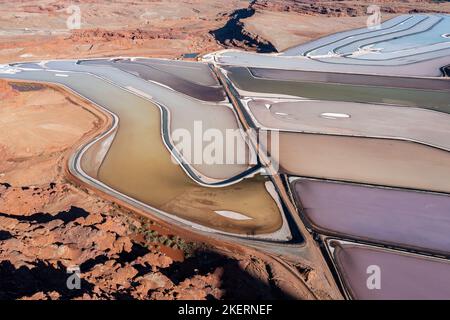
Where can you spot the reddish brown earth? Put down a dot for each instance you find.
(48, 223)
(36, 29)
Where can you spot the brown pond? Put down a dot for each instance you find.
(139, 165)
(366, 160)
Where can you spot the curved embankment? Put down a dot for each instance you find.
(181, 111)
(391, 136)
(389, 50)
(189, 78)
(287, 279)
(422, 66)
(130, 168)
(403, 145)
(391, 43)
(181, 94)
(152, 178)
(327, 42)
(138, 163)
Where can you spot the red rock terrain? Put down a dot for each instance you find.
(49, 225)
(37, 29)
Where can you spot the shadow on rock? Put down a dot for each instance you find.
(233, 34)
(66, 216)
(5, 235)
(237, 283)
(42, 277)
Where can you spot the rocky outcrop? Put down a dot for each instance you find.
(234, 35)
(39, 250)
(102, 35)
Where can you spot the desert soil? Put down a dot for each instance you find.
(48, 224)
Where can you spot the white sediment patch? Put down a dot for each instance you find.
(43, 64)
(333, 116)
(233, 215)
(324, 56)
